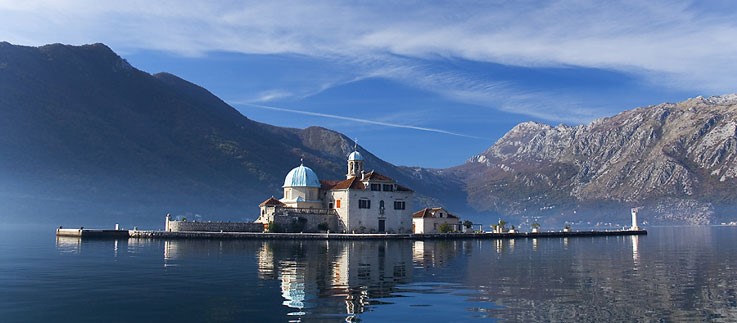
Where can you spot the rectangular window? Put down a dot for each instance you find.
(364, 204)
(399, 205)
(337, 204)
(330, 205)
(388, 188)
(376, 187)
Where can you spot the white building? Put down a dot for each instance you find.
(429, 220)
(361, 203)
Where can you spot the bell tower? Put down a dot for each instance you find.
(355, 163)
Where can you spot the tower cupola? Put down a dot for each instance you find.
(355, 163)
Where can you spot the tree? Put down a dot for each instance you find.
(468, 224)
(445, 228)
(502, 225)
(535, 227)
(274, 227)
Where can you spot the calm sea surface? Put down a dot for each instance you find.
(672, 274)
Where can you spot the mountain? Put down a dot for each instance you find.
(88, 139)
(677, 161)
(85, 135)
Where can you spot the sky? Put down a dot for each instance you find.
(418, 83)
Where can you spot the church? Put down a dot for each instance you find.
(364, 202)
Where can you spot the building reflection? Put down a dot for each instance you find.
(355, 271)
(69, 244)
(318, 277)
(298, 285)
(76, 245)
(170, 252)
(437, 253)
(635, 253)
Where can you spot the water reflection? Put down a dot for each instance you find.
(315, 277)
(69, 244)
(635, 253)
(673, 274)
(434, 253)
(75, 245)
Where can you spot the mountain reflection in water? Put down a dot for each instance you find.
(672, 274)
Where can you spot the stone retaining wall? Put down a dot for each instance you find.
(305, 222)
(177, 226)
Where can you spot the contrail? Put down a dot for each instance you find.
(380, 123)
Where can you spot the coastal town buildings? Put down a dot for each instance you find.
(363, 202)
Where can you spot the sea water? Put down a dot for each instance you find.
(672, 274)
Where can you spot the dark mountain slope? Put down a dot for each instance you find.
(88, 134)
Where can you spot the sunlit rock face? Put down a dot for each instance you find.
(679, 159)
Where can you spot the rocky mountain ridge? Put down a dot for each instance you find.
(677, 159)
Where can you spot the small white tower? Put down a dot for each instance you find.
(634, 226)
(355, 163)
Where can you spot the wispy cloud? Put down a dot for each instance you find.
(353, 119)
(272, 95)
(677, 44)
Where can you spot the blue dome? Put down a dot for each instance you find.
(355, 156)
(301, 176)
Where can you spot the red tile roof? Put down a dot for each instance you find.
(328, 184)
(373, 175)
(428, 213)
(357, 183)
(352, 183)
(424, 213)
(403, 188)
(272, 201)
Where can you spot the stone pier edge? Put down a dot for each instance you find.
(147, 234)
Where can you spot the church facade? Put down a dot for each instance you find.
(363, 202)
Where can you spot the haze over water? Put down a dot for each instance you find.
(672, 274)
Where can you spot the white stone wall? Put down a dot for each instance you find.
(431, 225)
(367, 220)
(418, 225)
(309, 195)
(334, 196)
(266, 214)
